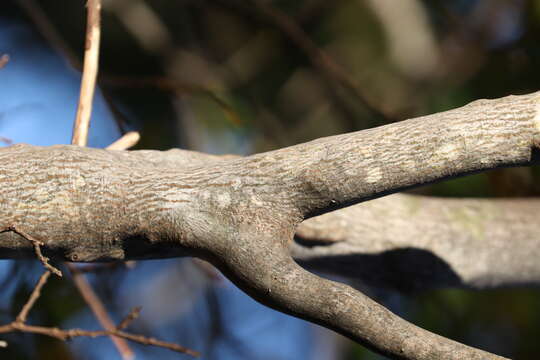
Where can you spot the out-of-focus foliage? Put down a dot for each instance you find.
(246, 76)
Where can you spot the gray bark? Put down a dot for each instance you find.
(241, 214)
(411, 242)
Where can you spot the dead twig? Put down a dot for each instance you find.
(96, 305)
(133, 314)
(19, 324)
(37, 248)
(36, 293)
(127, 141)
(90, 70)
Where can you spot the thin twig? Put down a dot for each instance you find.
(127, 141)
(133, 314)
(19, 324)
(97, 307)
(90, 70)
(23, 315)
(49, 31)
(72, 333)
(37, 248)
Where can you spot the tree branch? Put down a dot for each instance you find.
(89, 75)
(337, 171)
(241, 213)
(268, 274)
(410, 242)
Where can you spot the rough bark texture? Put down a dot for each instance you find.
(241, 213)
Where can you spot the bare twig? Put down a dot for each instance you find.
(4, 60)
(19, 324)
(90, 70)
(23, 315)
(127, 141)
(37, 248)
(133, 314)
(97, 307)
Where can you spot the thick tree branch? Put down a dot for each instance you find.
(410, 242)
(241, 213)
(333, 172)
(268, 274)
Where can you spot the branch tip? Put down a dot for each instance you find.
(127, 141)
(37, 248)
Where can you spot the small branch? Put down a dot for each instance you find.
(36, 293)
(130, 317)
(97, 307)
(4, 59)
(90, 70)
(19, 324)
(72, 333)
(127, 141)
(155, 342)
(37, 248)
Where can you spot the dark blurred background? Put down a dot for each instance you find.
(228, 76)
